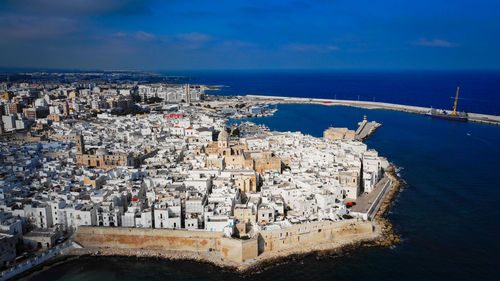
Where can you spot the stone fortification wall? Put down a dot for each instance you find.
(239, 250)
(235, 250)
(302, 235)
(167, 240)
(143, 238)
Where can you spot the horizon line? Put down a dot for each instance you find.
(162, 71)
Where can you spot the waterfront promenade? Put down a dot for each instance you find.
(38, 259)
(473, 117)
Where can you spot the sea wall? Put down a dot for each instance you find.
(238, 250)
(144, 238)
(303, 235)
(234, 250)
(162, 240)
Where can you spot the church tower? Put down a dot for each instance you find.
(65, 108)
(80, 145)
(223, 139)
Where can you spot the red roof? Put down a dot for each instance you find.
(173, 115)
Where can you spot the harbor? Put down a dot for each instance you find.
(473, 117)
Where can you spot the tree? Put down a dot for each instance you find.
(154, 100)
(136, 98)
(235, 132)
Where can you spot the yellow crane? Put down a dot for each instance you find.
(455, 105)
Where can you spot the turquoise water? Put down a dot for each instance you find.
(448, 216)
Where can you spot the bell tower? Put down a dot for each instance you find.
(223, 139)
(80, 145)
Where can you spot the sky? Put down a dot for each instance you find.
(204, 35)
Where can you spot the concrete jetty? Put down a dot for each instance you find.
(473, 117)
(366, 129)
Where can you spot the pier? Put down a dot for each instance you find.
(366, 129)
(473, 117)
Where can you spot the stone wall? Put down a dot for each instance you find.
(235, 250)
(311, 234)
(143, 238)
(239, 250)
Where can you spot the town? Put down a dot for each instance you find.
(162, 156)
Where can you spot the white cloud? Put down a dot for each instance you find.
(193, 40)
(434, 43)
(311, 47)
(144, 36)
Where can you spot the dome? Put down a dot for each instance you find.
(223, 135)
(101, 151)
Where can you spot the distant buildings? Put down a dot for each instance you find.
(172, 93)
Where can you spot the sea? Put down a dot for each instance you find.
(448, 216)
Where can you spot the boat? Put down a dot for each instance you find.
(442, 114)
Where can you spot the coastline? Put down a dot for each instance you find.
(473, 117)
(383, 236)
(64, 258)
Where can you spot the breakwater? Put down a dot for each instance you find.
(473, 117)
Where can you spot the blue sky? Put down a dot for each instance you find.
(191, 35)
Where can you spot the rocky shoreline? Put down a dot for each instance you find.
(390, 237)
